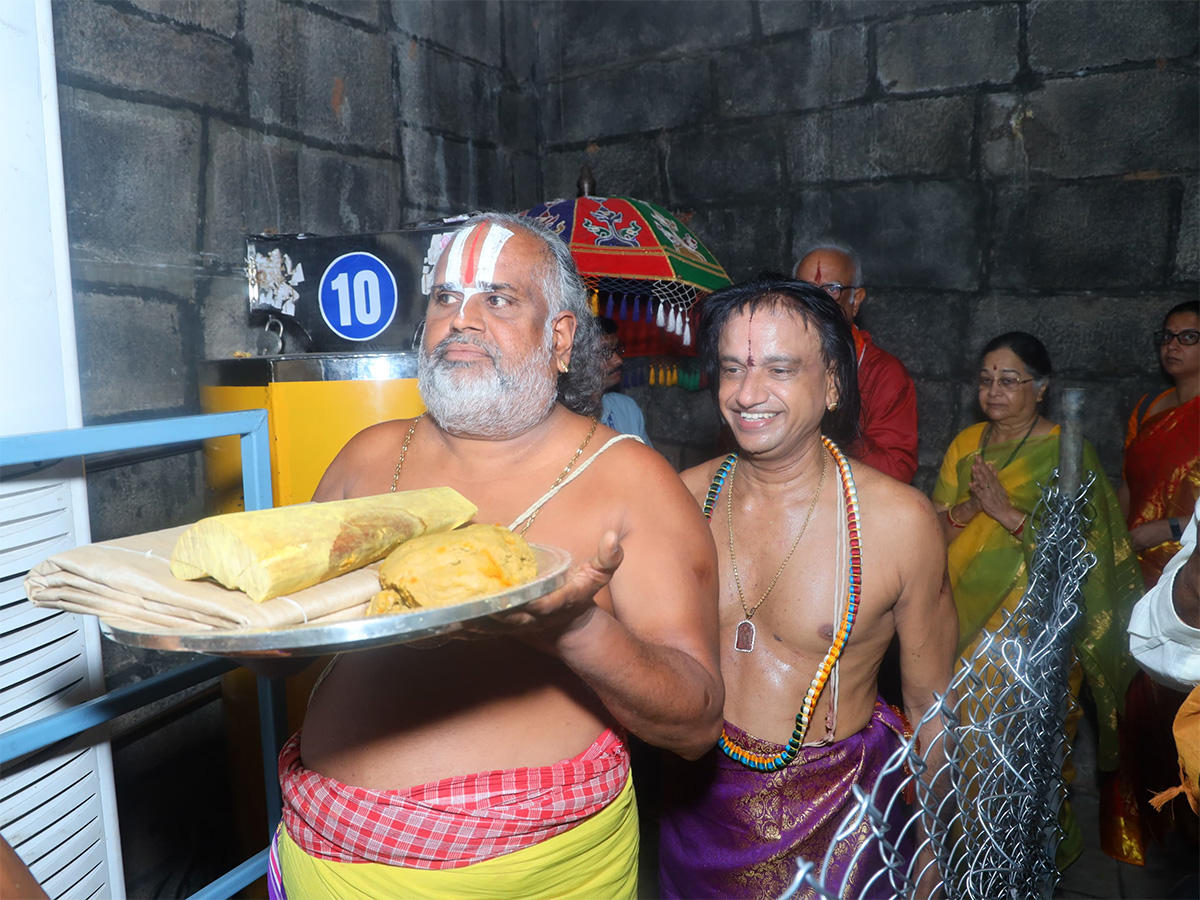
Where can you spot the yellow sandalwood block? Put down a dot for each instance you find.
(444, 569)
(269, 552)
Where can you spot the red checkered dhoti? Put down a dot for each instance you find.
(453, 822)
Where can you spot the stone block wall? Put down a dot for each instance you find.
(999, 166)
(187, 123)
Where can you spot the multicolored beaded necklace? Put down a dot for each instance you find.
(789, 753)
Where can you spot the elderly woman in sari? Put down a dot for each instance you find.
(987, 492)
(1158, 494)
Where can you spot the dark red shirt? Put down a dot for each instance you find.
(888, 420)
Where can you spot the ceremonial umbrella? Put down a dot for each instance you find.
(643, 267)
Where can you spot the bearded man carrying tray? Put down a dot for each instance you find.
(497, 767)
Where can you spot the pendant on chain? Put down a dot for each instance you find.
(744, 636)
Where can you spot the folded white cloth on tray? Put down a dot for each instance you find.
(129, 580)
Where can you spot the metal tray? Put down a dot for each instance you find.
(355, 634)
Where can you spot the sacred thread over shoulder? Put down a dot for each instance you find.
(270, 552)
(445, 569)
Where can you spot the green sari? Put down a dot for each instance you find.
(989, 567)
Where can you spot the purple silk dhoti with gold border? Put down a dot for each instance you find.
(732, 832)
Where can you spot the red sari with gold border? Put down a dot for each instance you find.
(1162, 472)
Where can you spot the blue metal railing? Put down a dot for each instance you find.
(251, 426)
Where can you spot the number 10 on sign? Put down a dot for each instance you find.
(358, 296)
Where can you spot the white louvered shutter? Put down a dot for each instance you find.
(57, 806)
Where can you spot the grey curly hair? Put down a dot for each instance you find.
(580, 388)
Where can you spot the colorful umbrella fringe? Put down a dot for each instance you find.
(644, 268)
(648, 372)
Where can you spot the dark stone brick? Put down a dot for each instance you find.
(520, 26)
(341, 195)
(781, 16)
(912, 137)
(722, 164)
(518, 120)
(470, 27)
(598, 35)
(924, 331)
(324, 78)
(145, 336)
(252, 186)
(626, 168)
(146, 496)
(527, 193)
(1081, 235)
(98, 42)
(365, 11)
(441, 173)
(1096, 125)
(450, 95)
(937, 411)
(948, 50)
(923, 235)
(219, 17)
(414, 17)
(1068, 36)
(1187, 247)
(225, 317)
(745, 241)
(679, 416)
(837, 11)
(671, 94)
(1097, 337)
(803, 72)
(132, 175)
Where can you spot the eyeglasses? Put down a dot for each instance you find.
(1006, 382)
(607, 352)
(834, 290)
(1186, 338)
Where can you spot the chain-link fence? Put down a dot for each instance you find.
(986, 794)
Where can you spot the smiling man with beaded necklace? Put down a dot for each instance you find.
(823, 560)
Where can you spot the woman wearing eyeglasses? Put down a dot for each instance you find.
(1162, 447)
(1161, 484)
(987, 492)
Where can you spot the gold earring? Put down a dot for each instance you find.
(564, 367)
(832, 406)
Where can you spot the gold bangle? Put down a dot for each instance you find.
(954, 521)
(1020, 526)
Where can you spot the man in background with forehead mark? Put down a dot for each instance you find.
(888, 424)
(498, 767)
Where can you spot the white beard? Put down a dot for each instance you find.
(493, 401)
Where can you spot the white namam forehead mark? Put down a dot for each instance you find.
(471, 260)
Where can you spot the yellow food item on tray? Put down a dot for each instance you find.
(269, 552)
(454, 567)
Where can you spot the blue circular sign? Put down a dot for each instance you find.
(358, 296)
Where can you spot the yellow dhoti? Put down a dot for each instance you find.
(595, 860)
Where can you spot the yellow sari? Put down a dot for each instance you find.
(989, 567)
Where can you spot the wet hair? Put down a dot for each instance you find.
(817, 310)
(564, 291)
(607, 326)
(1187, 306)
(1028, 349)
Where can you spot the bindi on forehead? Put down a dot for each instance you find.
(817, 275)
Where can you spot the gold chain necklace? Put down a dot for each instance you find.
(744, 636)
(528, 522)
